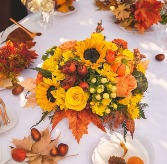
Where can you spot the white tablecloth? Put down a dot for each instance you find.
(77, 26)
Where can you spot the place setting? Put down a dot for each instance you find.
(49, 10)
(113, 148)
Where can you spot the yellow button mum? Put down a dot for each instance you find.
(76, 98)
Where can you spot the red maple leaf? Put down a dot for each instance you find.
(147, 13)
(78, 121)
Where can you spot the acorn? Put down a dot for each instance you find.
(18, 89)
(160, 57)
(36, 135)
(18, 154)
(62, 149)
(54, 152)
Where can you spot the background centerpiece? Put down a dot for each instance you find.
(136, 14)
(14, 58)
(92, 80)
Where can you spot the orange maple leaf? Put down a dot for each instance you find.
(78, 121)
(147, 13)
(130, 125)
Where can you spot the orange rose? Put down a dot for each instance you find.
(69, 45)
(125, 85)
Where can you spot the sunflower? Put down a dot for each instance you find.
(91, 51)
(44, 96)
(50, 64)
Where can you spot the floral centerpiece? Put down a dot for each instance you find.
(132, 14)
(92, 80)
(14, 58)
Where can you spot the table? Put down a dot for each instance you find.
(78, 26)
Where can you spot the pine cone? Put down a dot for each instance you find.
(116, 160)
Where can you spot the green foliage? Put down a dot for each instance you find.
(141, 111)
(164, 19)
(45, 73)
(44, 115)
(49, 53)
(125, 130)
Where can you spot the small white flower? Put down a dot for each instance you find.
(104, 80)
(98, 97)
(113, 89)
(106, 96)
(115, 106)
(107, 111)
(109, 86)
(113, 95)
(92, 90)
(99, 90)
(93, 80)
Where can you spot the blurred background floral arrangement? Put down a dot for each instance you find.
(132, 14)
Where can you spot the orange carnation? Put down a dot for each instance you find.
(39, 78)
(69, 45)
(125, 85)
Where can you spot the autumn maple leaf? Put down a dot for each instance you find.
(78, 121)
(147, 13)
(121, 12)
(39, 152)
(25, 143)
(130, 125)
(28, 84)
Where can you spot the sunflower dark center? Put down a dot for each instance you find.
(49, 95)
(92, 55)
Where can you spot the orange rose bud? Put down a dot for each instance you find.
(110, 56)
(39, 78)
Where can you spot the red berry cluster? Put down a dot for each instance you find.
(74, 74)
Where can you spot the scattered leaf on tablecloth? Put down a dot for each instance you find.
(31, 101)
(28, 84)
(37, 160)
(5, 82)
(78, 121)
(39, 152)
(25, 143)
